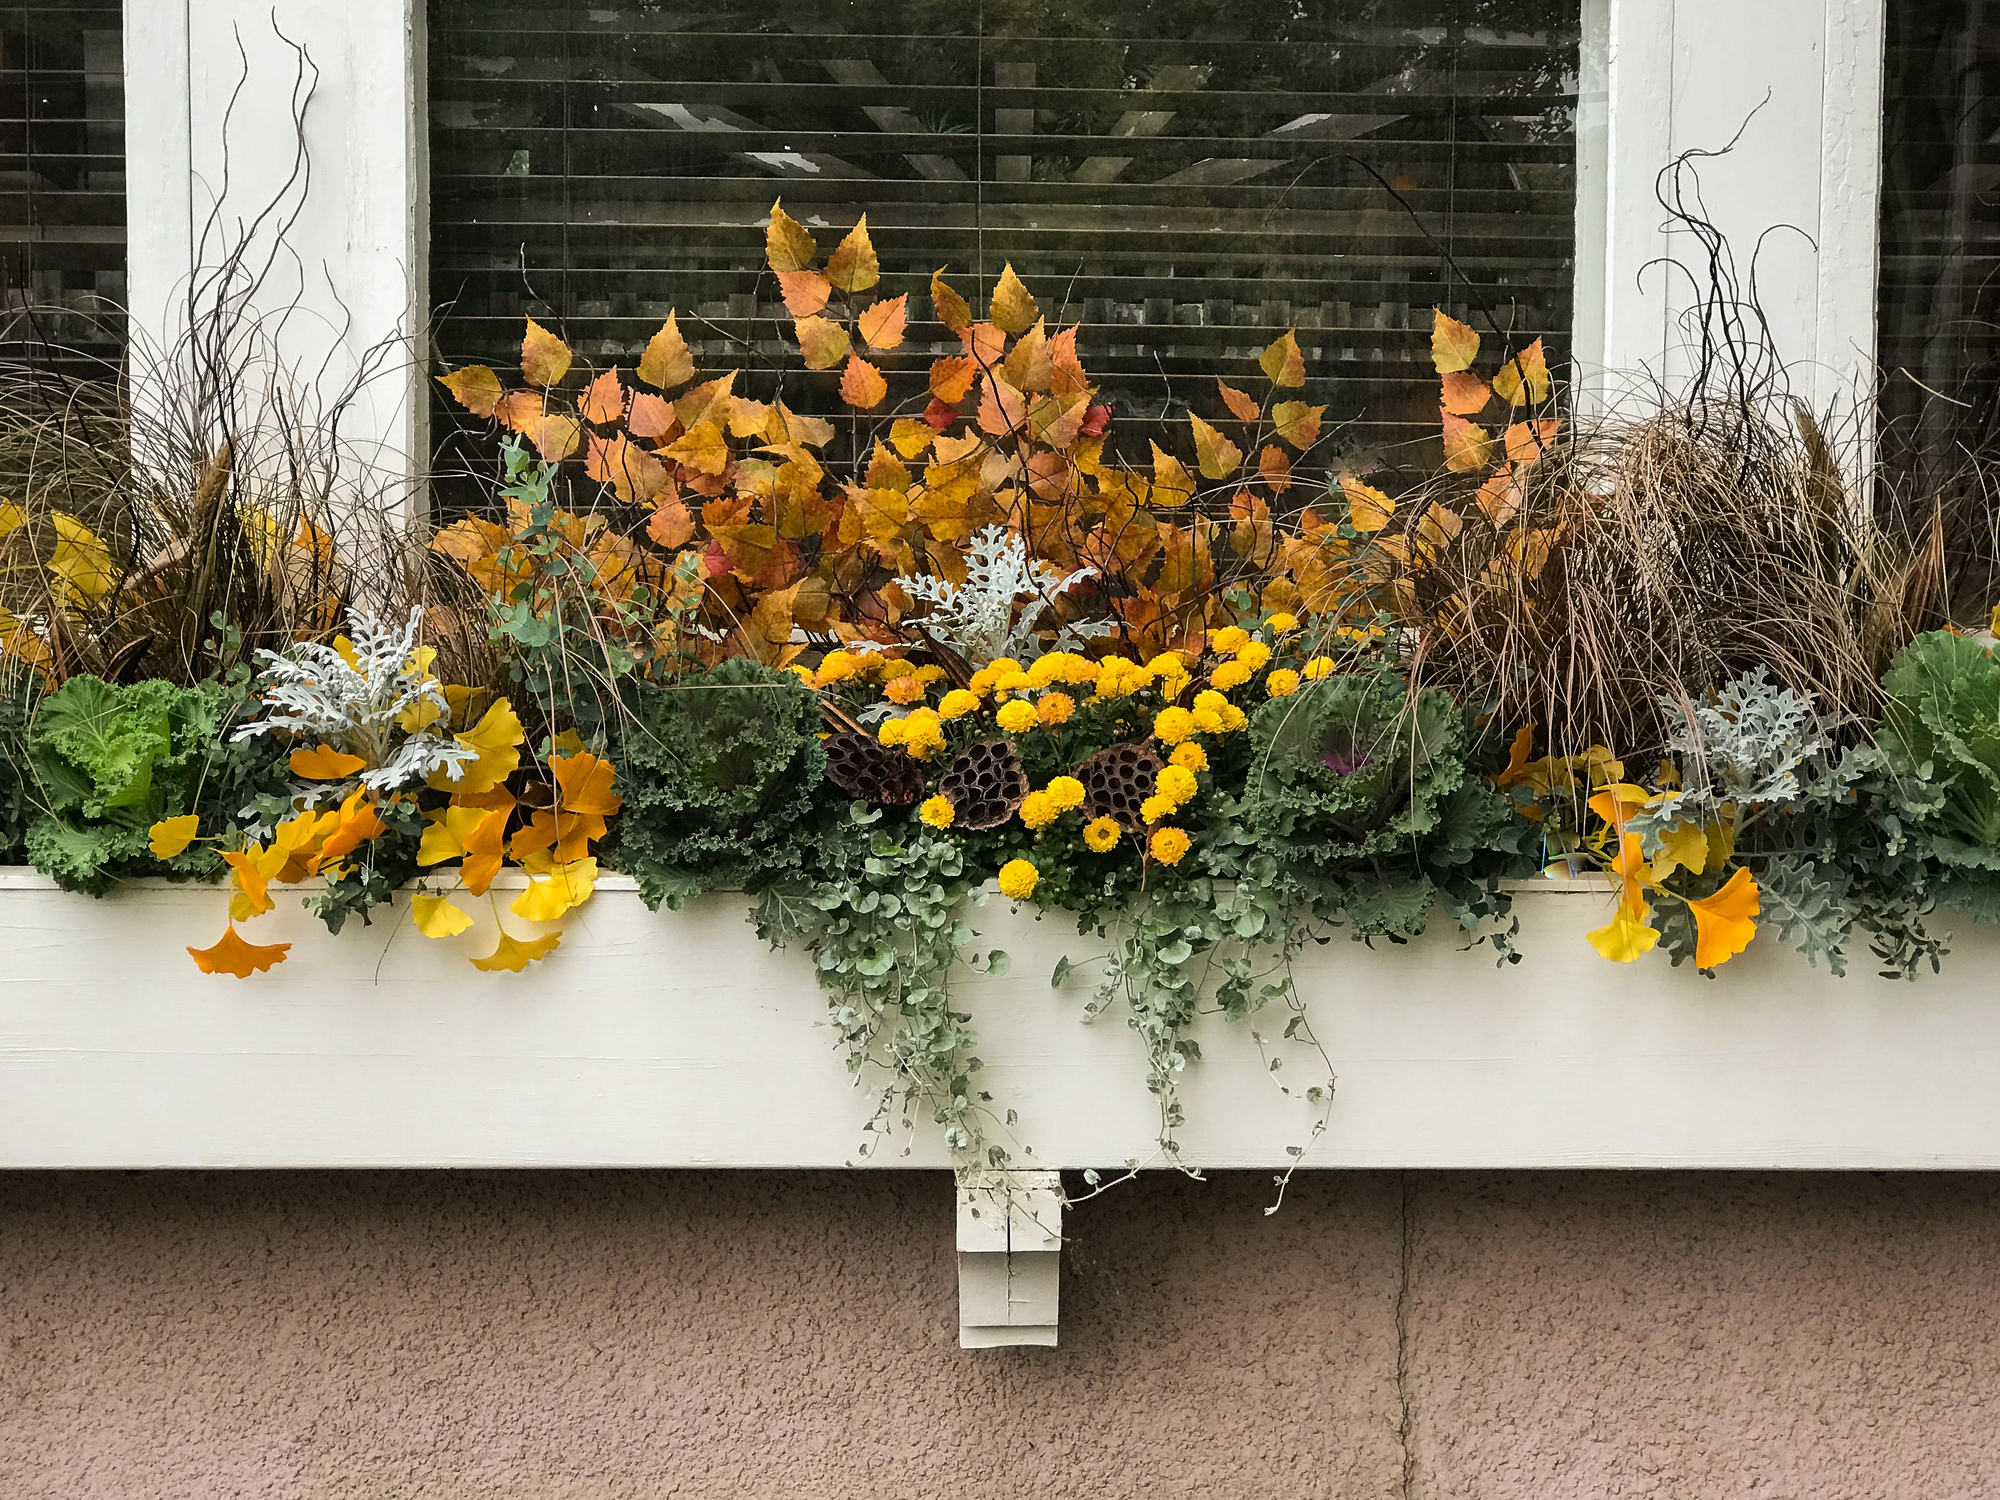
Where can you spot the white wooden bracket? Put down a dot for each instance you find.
(1009, 1260)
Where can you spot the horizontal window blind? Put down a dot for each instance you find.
(1185, 181)
(62, 182)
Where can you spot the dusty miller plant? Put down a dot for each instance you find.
(977, 620)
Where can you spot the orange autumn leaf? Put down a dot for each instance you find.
(1527, 441)
(671, 525)
(666, 362)
(545, 359)
(476, 387)
(234, 956)
(1725, 922)
(521, 411)
(1001, 407)
(585, 782)
(701, 448)
(1368, 509)
(805, 292)
(1468, 447)
(1240, 405)
(862, 385)
(1465, 394)
(250, 880)
(1013, 308)
(853, 267)
(634, 475)
(952, 310)
(604, 399)
(951, 379)
(1297, 423)
(1276, 468)
(882, 324)
(555, 437)
(1282, 363)
(325, 764)
(1214, 454)
(787, 245)
(1518, 754)
(652, 417)
(1454, 345)
(822, 341)
(1500, 497)
(1525, 375)
(485, 850)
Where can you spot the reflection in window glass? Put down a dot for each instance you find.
(62, 182)
(1184, 180)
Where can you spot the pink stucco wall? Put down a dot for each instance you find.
(584, 1336)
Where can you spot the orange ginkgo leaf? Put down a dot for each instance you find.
(861, 384)
(652, 417)
(251, 883)
(1013, 307)
(1214, 454)
(545, 359)
(585, 783)
(853, 267)
(1465, 394)
(1527, 441)
(476, 387)
(701, 448)
(1275, 467)
(1725, 922)
(1298, 423)
(822, 341)
(787, 245)
(604, 399)
(634, 475)
(667, 362)
(325, 764)
(805, 292)
(1468, 447)
(1454, 345)
(952, 310)
(1518, 754)
(1172, 484)
(514, 955)
(882, 324)
(1282, 363)
(1526, 375)
(671, 525)
(1241, 406)
(234, 956)
(1368, 509)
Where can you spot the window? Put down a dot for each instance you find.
(1185, 180)
(62, 182)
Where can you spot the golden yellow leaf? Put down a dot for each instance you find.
(711, 402)
(1626, 936)
(701, 448)
(1454, 345)
(1297, 423)
(497, 737)
(862, 385)
(787, 245)
(805, 292)
(566, 887)
(555, 437)
(476, 387)
(1368, 509)
(951, 309)
(1468, 447)
(438, 916)
(1013, 309)
(1684, 846)
(635, 475)
(822, 341)
(604, 399)
(1725, 922)
(325, 764)
(852, 267)
(910, 436)
(882, 324)
(1282, 363)
(81, 559)
(1464, 394)
(1214, 454)
(234, 956)
(170, 836)
(515, 955)
(1525, 376)
(666, 362)
(1241, 406)
(1172, 484)
(545, 359)
(585, 782)
(446, 831)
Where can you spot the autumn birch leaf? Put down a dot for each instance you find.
(1013, 309)
(1464, 394)
(701, 448)
(1172, 484)
(667, 362)
(1468, 447)
(805, 292)
(438, 916)
(862, 385)
(1725, 922)
(852, 267)
(787, 245)
(1282, 363)
(604, 399)
(910, 436)
(952, 310)
(1241, 406)
(1001, 407)
(952, 378)
(514, 955)
(521, 411)
(1214, 454)
(1454, 345)
(771, 620)
(635, 476)
(1276, 468)
(555, 437)
(1527, 373)
(234, 956)
(1368, 509)
(545, 359)
(325, 764)
(1626, 936)
(1527, 441)
(1066, 370)
(671, 525)
(652, 417)
(476, 387)
(1297, 423)
(170, 836)
(822, 341)
(707, 403)
(1500, 497)
(882, 324)
(983, 343)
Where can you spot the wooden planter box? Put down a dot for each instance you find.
(679, 1040)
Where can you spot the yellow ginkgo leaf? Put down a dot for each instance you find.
(497, 737)
(1626, 936)
(438, 916)
(170, 836)
(566, 886)
(1725, 922)
(81, 558)
(234, 956)
(450, 829)
(324, 763)
(514, 955)
(1454, 345)
(1683, 847)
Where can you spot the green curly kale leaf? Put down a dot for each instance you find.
(724, 771)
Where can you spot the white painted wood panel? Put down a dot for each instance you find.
(679, 1041)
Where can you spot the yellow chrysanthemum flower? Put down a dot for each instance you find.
(1172, 725)
(1190, 755)
(1155, 808)
(1206, 721)
(1170, 845)
(1102, 834)
(1038, 810)
(895, 666)
(930, 673)
(937, 812)
(1014, 682)
(1168, 664)
(1067, 791)
(1017, 717)
(906, 687)
(1319, 667)
(1055, 708)
(1253, 654)
(1228, 638)
(893, 731)
(1282, 683)
(837, 666)
(1017, 879)
(1176, 783)
(957, 704)
(1231, 674)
